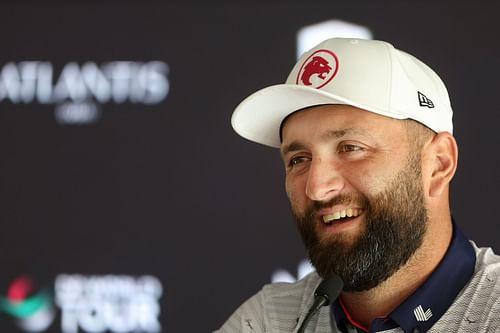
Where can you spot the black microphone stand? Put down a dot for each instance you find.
(328, 290)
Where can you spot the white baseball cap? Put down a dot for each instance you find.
(368, 74)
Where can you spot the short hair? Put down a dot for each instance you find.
(418, 134)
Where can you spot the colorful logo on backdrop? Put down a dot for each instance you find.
(79, 91)
(318, 69)
(86, 304)
(31, 307)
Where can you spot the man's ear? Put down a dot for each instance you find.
(443, 160)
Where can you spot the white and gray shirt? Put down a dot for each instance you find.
(451, 300)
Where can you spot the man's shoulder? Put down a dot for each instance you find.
(477, 307)
(277, 307)
(486, 279)
(295, 290)
(485, 257)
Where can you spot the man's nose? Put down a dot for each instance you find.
(324, 180)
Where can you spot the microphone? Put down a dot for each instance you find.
(327, 291)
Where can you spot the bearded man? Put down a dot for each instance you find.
(366, 140)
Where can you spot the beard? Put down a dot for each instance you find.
(395, 225)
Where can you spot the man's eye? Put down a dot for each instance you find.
(296, 160)
(349, 148)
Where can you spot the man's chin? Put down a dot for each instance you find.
(340, 239)
(334, 243)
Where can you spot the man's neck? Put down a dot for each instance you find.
(364, 307)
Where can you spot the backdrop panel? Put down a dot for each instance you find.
(128, 202)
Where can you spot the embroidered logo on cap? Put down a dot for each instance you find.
(424, 101)
(420, 315)
(318, 69)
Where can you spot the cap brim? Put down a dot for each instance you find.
(258, 117)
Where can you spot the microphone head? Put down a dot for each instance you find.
(329, 289)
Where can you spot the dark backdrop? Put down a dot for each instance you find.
(168, 189)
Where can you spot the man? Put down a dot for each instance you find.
(365, 133)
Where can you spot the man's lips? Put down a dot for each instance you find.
(338, 215)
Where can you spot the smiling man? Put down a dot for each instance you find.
(365, 133)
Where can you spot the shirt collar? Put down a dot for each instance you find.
(430, 301)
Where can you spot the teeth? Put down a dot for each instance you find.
(351, 212)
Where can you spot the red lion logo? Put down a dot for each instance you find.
(317, 65)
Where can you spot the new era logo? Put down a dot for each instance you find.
(424, 101)
(421, 315)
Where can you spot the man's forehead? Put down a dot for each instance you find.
(333, 122)
(298, 144)
(324, 136)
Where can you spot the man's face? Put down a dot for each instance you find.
(356, 192)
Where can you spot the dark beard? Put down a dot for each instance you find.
(395, 224)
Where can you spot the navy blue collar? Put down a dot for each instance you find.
(430, 301)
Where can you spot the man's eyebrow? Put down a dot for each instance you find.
(294, 146)
(335, 134)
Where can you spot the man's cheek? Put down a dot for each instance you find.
(297, 203)
(290, 193)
